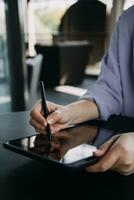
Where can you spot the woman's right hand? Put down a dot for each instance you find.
(59, 117)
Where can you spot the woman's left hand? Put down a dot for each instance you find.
(116, 154)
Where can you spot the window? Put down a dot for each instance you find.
(44, 18)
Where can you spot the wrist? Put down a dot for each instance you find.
(83, 110)
(70, 115)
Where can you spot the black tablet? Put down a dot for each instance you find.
(72, 147)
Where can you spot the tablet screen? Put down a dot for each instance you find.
(67, 146)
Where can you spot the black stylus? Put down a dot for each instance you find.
(45, 109)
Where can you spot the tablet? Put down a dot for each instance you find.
(72, 147)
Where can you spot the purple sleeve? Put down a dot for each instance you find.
(107, 92)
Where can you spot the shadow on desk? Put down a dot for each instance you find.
(34, 180)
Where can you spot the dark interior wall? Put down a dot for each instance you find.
(85, 15)
(85, 20)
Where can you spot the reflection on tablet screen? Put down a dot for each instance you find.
(67, 146)
(78, 153)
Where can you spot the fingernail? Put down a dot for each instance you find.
(98, 151)
(50, 121)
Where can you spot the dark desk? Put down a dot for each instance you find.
(24, 178)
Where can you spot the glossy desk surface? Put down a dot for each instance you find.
(24, 178)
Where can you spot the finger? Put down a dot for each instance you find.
(105, 147)
(40, 131)
(120, 171)
(57, 127)
(37, 116)
(43, 130)
(51, 106)
(36, 125)
(106, 162)
(54, 117)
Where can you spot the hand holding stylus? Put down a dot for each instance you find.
(58, 118)
(118, 156)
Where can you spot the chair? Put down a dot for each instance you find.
(64, 62)
(34, 68)
(74, 57)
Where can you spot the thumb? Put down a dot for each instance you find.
(54, 117)
(105, 147)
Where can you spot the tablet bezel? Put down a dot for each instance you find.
(80, 164)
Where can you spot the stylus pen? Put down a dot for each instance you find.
(45, 109)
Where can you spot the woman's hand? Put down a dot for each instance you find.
(61, 117)
(58, 118)
(116, 154)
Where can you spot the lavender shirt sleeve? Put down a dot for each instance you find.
(114, 89)
(107, 92)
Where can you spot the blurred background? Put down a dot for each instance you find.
(60, 42)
